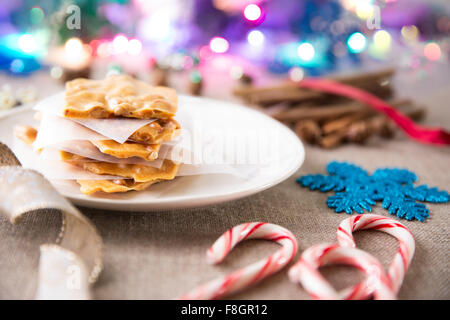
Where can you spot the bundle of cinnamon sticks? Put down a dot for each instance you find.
(328, 120)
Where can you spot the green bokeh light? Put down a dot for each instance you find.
(195, 76)
(36, 15)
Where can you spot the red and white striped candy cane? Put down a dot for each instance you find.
(253, 273)
(403, 257)
(305, 271)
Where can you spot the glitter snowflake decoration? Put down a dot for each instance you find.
(356, 190)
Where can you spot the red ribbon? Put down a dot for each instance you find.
(412, 129)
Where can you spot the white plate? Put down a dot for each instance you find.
(188, 191)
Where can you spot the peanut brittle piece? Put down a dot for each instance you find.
(118, 96)
(112, 186)
(157, 132)
(128, 149)
(67, 156)
(138, 172)
(26, 133)
(143, 176)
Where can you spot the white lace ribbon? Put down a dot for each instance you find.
(67, 268)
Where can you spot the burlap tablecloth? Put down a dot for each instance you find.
(162, 255)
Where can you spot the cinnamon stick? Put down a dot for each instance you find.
(357, 132)
(290, 91)
(332, 140)
(317, 112)
(308, 130)
(331, 111)
(345, 121)
(347, 79)
(360, 131)
(273, 95)
(364, 77)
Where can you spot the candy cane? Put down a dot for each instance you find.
(253, 273)
(403, 257)
(305, 271)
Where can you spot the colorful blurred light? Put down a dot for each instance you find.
(356, 42)
(349, 4)
(304, 54)
(17, 66)
(296, 74)
(76, 54)
(306, 51)
(255, 38)
(337, 27)
(73, 46)
(205, 53)
(219, 45)
(432, 51)
(27, 43)
(382, 40)
(36, 15)
(56, 72)
(380, 45)
(159, 26)
(364, 10)
(176, 61)
(94, 45)
(222, 62)
(134, 47)
(114, 68)
(120, 44)
(410, 33)
(103, 50)
(236, 72)
(195, 76)
(339, 49)
(252, 12)
(188, 62)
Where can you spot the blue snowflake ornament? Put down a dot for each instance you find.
(356, 190)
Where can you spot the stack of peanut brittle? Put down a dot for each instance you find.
(133, 163)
